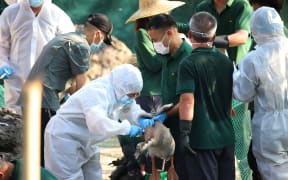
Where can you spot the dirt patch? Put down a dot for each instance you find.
(110, 150)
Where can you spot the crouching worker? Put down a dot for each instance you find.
(103, 108)
(12, 171)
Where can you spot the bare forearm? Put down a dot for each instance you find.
(186, 106)
(80, 81)
(238, 38)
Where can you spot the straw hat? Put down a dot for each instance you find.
(153, 7)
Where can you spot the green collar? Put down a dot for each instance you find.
(229, 3)
(180, 50)
(213, 49)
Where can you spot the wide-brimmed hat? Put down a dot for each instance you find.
(149, 8)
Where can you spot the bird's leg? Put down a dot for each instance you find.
(155, 174)
(171, 174)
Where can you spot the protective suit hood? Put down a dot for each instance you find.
(27, 1)
(9, 2)
(266, 25)
(123, 83)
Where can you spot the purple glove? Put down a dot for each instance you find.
(144, 122)
(135, 131)
(160, 117)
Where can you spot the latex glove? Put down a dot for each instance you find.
(65, 98)
(135, 131)
(144, 122)
(6, 72)
(160, 117)
(184, 145)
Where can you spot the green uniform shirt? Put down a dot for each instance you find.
(17, 175)
(169, 82)
(62, 58)
(3, 5)
(207, 73)
(234, 17)
(149, 63)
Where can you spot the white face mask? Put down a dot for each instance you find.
(160, 48)
(125, 100)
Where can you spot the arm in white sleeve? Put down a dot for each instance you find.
(99, 124)
(245, 81)
(5, 39)
(65, 24)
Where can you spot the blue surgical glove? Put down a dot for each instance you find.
(160, 117)
(6, 72)
(144, 122)
(135, 131)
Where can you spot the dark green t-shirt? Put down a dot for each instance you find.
(149, 63)
(234, 17)
(17, 175)
(207, 73)
(169, 82)
(3, 5)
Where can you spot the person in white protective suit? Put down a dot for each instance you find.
(103, 108)
(262, 77)
(25, 27)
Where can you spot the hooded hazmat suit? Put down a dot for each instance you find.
(22, 37)
(262, 77)
(88, 117)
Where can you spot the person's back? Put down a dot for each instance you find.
(205, 89)
(262, 77)
(57, 63)
(271, 89)
(213, 95)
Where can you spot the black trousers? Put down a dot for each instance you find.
(250, 156)
(46, 114)
(211, 164)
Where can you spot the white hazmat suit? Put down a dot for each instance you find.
(22, 37)
(262, 77)
(87, 118)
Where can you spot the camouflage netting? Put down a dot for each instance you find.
(242, 127)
